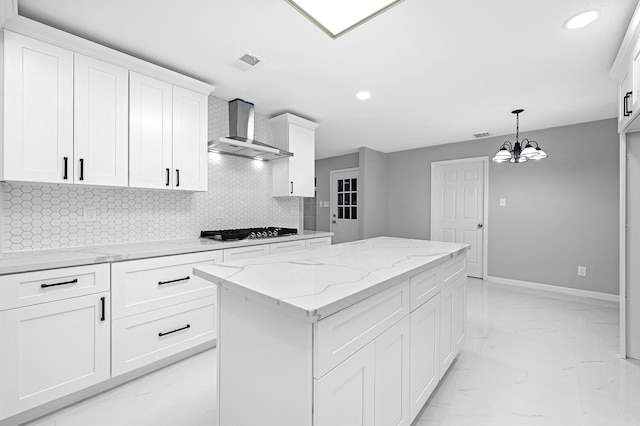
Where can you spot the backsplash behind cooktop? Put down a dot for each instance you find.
(40, 216)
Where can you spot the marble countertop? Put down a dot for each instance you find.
(35, 260)
(313, 284)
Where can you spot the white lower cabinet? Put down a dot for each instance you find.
(407, 353)
(141, 339)
(391, 370)
(452, 322)
(142, 285)
(317, 242)
(248, 252)
(425, 354)
(289, 246)
(345, 396)
(53, 349)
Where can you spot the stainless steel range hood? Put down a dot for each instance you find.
(241, 141)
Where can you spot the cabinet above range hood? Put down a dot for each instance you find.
(241, 141)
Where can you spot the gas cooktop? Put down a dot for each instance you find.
(250, 233)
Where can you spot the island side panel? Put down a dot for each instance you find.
(264, 365)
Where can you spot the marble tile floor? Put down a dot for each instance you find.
(530, 358)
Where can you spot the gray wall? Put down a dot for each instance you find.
(323, 167)
(561, 212)
(372, 193)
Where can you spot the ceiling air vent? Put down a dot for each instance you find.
(482, 135)
(246, 62)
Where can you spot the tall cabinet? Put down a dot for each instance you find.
(626, 71)
(296, 175)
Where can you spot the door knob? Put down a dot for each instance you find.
(480, 225)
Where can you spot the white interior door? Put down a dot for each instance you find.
(458, 207)
(344, 205)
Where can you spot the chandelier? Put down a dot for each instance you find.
(514, 153)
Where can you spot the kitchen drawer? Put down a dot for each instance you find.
(287, 247)
(424, 286)
(317, 242)
(143, 285)
(452, 269)
(141, 339)
(31, 288)
(249, 252)
(340, 335)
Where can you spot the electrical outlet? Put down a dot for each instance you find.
(219, 212)
(89, 214)
(503, 202)
(582, 271)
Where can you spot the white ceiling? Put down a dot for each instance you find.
(439, 71)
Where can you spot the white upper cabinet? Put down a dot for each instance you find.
(150, 132)
(101, 102)
(626, 71)
(625, 97)
(167, 135)
(294, 176)
(38, 111)
(190, 115)
(89, 119)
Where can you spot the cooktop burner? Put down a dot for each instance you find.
(251, 233)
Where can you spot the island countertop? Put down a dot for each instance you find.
(313, 284)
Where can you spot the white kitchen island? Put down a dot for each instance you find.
(351, 334)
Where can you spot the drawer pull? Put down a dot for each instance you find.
(173, 331)
(174, 281)
(102, 317)
(56, 284)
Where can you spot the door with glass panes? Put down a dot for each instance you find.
(344, 205)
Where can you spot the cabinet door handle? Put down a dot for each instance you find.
(625, 104)
(168, 176)
(173, 331)
(102, 302)
(292, 187)
(177, 177)
(81, 169)
(66, 167)
(57, 284)
(174, 281)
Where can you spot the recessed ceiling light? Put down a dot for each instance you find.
(581, 20)
(363, 95)
(336, 17)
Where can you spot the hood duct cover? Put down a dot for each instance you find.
(241, 140)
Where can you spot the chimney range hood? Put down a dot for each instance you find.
(241, 141)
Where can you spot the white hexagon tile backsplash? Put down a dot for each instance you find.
(48, 216)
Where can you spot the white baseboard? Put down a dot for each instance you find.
(557, 289)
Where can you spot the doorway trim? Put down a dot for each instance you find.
(331, 203)
(485, 239)
(623, 246)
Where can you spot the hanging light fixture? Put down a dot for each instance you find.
(514, 153)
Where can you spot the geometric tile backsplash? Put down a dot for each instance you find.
(51, 216)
